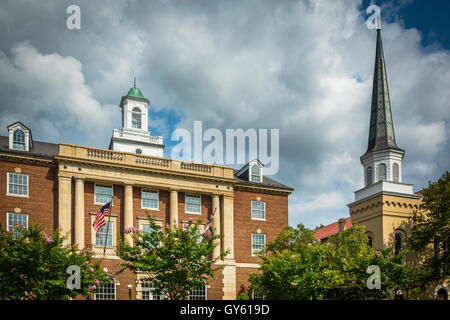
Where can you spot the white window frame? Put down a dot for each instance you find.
(24, 143)
(103, 185)
(110, 250)
(115, 291)
(14, 194)
(251, 209)
(136, 113)
(185, 203)
(206, 294)
(142, 283)
(250, 174)
(110, 231)
(142, 198)
(8, 227)
(265, 242)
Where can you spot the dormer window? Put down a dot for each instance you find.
(255, 173)
(136, 118)
(20, 137)
(19, 140)
(252, 171)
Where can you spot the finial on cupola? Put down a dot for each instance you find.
(135, 82)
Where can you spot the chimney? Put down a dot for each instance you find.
(341, 223)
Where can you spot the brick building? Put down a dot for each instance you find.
(63, 186)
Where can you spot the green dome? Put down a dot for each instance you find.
(136, 93)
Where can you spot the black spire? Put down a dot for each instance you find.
(381, 133)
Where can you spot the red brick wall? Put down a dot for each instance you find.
(244, 226)
(42, 202)
(215, 286)
(242, 283)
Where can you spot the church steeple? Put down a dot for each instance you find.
(383, 158)
(381, 132)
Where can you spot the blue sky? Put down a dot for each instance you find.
(304, 67)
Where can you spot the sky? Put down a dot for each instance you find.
(303, 67)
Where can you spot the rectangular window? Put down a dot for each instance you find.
(103, 194)
(150, 199)
(15, 219)
(148, 230)
(198, 294)
(105, 234)
(258, 210)
(17, 184)
(149, 291)
(258, 242)
(193, 204)
(106, 291)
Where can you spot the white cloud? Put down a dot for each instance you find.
(50, 94)
(302, 66)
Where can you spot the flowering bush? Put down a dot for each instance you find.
(33, 265)
(297, 266)
(176, 260)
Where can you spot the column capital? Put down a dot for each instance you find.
(64, 176)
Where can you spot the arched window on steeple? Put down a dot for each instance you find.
(369, 175)
(382, 171)
(19, 140)
(136, 118)
(395, 172)
(399, 241)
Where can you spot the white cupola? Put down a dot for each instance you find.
(135, 136)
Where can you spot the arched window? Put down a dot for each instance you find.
(370, 240)
(255, 173)
(399, 241)
(136, 118)
(138, 151)
(382, 171)
(19, 140)
(369, 175)
(395, 172)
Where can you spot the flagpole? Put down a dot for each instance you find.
(107, 228)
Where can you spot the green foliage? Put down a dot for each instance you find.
(34, 266)
(243, 296)
(298, 266)
(431, 228)
(176, 260)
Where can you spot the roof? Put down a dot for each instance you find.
(42, 149)
(381, 131)
(331, 229)
(266, 182)
(135, 93)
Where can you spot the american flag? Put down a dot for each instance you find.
(100, 217)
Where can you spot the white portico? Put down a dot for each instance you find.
(135, 136)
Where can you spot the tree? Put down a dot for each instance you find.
(176, 260)
(298, 266)
(430, 230)
(33, 265)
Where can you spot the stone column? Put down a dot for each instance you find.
(65, 207)
(228, 226)
(173, 208)
(229, 272)
(216, 223)
(79, 213)
(128, 211)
